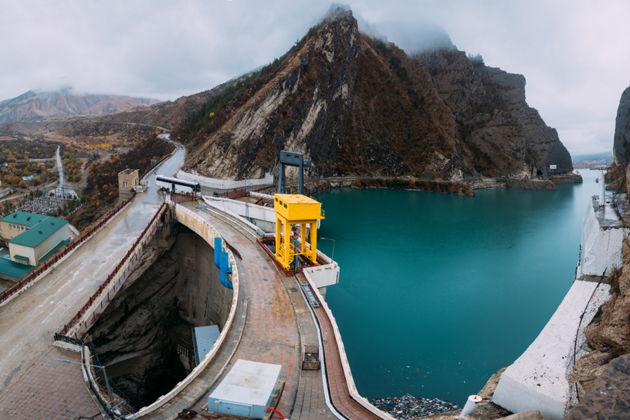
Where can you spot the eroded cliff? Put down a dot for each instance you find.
(602, 376)
(356, 105)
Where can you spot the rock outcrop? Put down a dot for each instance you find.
(608, 395)
(356, 105)
(492, 115)
(621, 145)
(607, 366)
(616, 176)
(39, 105)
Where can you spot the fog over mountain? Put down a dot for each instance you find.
(40, 105)
(163, 49)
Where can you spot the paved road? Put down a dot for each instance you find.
(33, 383)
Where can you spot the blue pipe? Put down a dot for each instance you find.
(222, 262)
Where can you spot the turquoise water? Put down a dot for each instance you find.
(437, 292)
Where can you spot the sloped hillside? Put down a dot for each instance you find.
(358, 106)
(38, 105)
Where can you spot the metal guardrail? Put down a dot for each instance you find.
(343, 358)
(69, 340)
(112, 274)
(87, 234)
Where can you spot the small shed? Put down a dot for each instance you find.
(128, 180)
(247, 390)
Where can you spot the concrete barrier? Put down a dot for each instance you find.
(537, 380)
(266, 216)
(87, 368)
(323, 275)
(225, 184)
(601, 247)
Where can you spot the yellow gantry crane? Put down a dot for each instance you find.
(294, 213)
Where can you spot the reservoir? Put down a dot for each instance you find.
(437, 292)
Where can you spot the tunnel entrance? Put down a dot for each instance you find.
(145, 338)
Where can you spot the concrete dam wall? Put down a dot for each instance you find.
(538, 379)
(144, 337)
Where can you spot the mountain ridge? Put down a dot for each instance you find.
(356, 105)
(37, 105)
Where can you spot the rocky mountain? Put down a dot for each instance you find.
(356, 105)
(40, 105)
(493, 119)
(621, 145)
(617, 175)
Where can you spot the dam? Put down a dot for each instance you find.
(124, 342)
(119, 331)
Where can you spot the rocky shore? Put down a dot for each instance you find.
(409, 407)
(466, 187)
(568, 178)
(405, 183)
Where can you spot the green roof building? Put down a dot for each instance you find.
(32, 237)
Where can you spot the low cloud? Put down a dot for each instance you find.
(571, 52)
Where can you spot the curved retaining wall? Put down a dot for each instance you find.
(601, 247)
(206, 231)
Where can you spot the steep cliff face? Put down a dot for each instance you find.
(37, 105)
(617, 175)
(494, 121)
(358, 106)
(603, 375)
(621, 146)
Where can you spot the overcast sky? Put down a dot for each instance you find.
(575, 54)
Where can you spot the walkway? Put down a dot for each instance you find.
(270, 325)
(340, 395)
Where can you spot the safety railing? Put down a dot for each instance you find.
(343, 358)
(67, 327)
(40, 270)
(183, 197)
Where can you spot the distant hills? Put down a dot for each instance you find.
(592, 160)
(41, 105)
(354, 105)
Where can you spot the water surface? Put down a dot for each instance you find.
(437, 291)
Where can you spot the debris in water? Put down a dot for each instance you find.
(409, 407)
